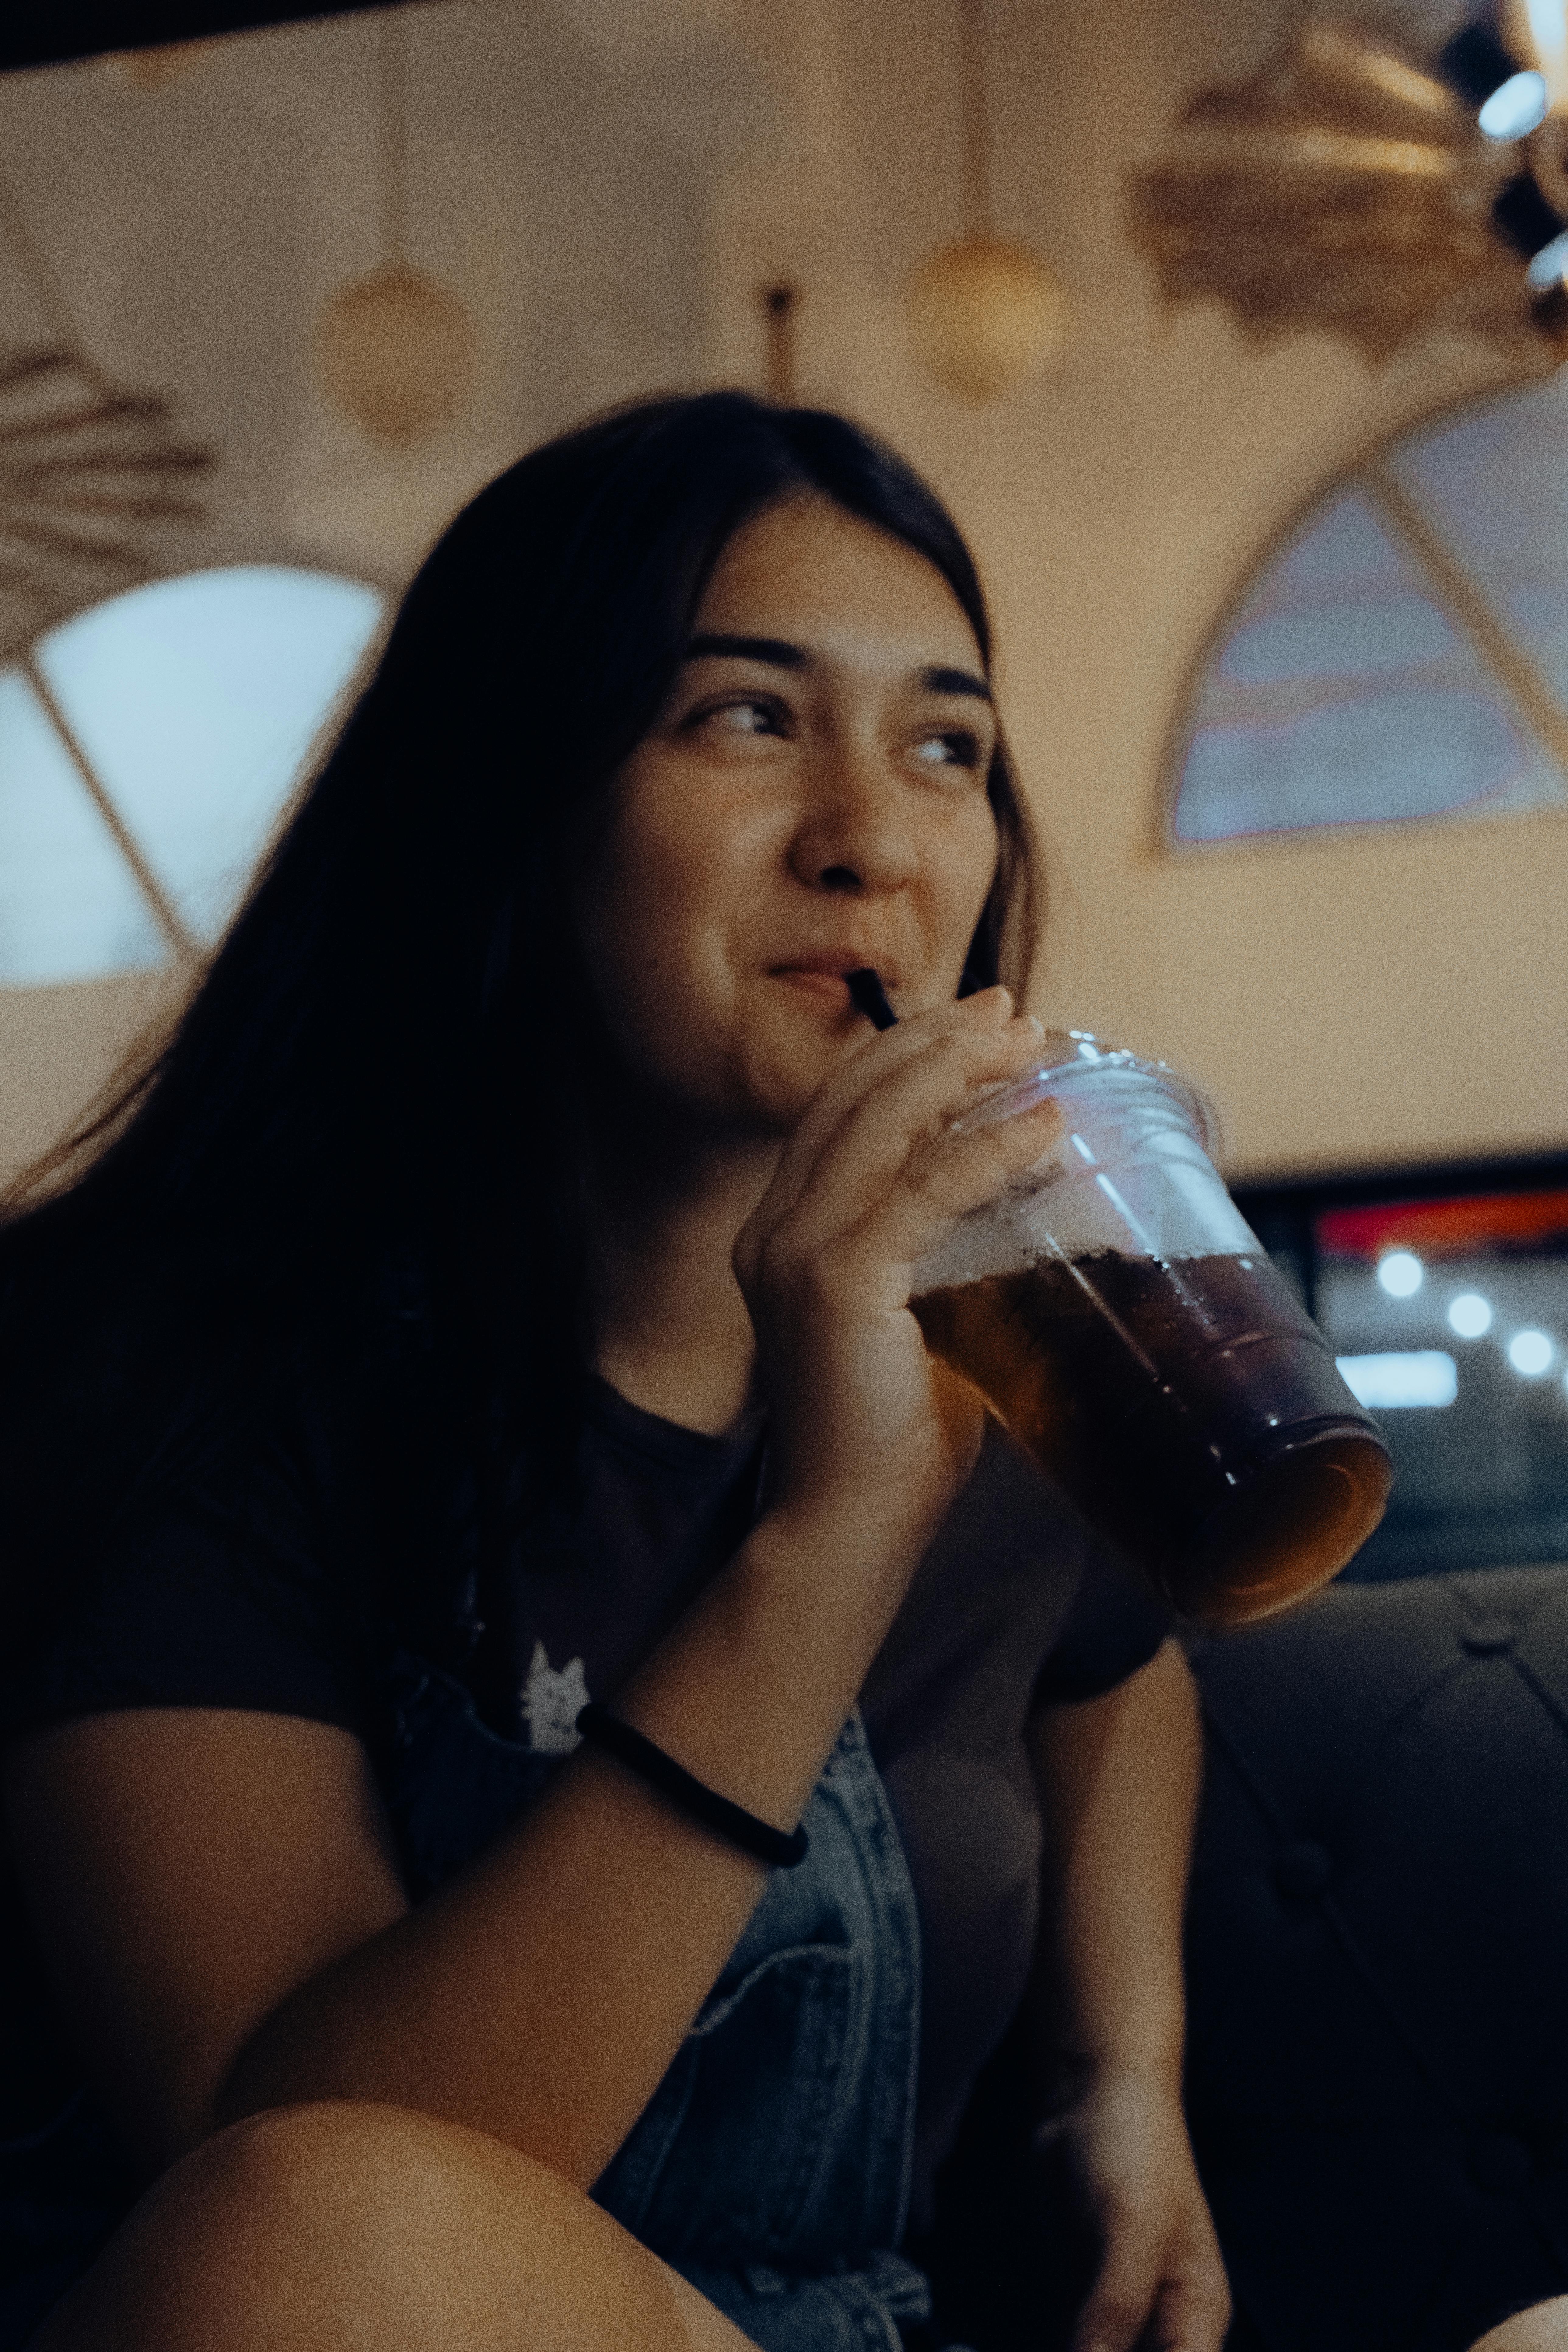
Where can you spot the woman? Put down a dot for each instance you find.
(492, 1300)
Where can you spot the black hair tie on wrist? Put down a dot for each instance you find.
(779, 1849)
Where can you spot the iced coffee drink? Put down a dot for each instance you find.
(1129, 1329)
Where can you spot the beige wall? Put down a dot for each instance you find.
(1352, 1000)
(1349, 1001)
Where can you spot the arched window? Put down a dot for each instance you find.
(1400, 652)
(148, 745)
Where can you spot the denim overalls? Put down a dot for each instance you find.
(772, 2166)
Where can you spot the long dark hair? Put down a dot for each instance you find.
(339, 1172)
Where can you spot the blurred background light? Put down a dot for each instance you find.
(1549, 265)
(1530, 1352)
(1400, 1274)
(1417, 1375)
(1509, 102)
(1515, 108)
(1470, 1315)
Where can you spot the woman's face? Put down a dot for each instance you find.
(812, 799)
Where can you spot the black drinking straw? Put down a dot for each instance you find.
(869, 996)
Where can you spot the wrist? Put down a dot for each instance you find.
(1080, 2071)
(750, 1689)
(868, 1529)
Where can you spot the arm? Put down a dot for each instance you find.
(218, 1901)
(215, 1894)
(1119, 1779)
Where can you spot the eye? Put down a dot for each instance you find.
(743, 714)
(955, 747)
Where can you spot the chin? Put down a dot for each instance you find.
(778, 1090)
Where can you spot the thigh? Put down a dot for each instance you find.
(1542, 2328)
(335, 2227)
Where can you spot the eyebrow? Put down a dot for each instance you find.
(779, 653)
(955, 681)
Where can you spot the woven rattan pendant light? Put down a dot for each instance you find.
(986, 314)
(396, 350)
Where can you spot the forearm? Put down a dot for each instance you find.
(1119, 1780)
(540, 1996)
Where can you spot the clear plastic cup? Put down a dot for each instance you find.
(1128, 1327)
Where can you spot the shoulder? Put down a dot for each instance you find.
(1109, 1623)
(217, 1585)
(986, 1604)
(1016, 1605)
(1011, 1524)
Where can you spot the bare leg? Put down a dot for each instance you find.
(352, 2228)
(1542, 2328)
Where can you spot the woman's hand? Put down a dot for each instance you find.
(1119, 1780)
(871, 1179)
(1162, 2283)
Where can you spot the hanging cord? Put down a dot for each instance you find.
(975, 100)
(394, 141)
(1294, 20)
(780, 305)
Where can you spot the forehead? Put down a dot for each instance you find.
(808, 572)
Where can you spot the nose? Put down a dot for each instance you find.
(855, 836)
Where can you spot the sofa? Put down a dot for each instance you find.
(1377, 1952)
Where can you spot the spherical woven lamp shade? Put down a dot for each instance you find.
(397, 351)
(986, 314)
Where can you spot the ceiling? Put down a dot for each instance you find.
(563, 158)
(47, 32)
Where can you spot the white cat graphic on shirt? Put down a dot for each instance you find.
(552, 1702)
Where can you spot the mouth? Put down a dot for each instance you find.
(824, 975)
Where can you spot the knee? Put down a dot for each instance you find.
(277, 2221)
(1542, 2328)
(339, 2166)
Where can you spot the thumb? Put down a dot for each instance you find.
(1124, 2294)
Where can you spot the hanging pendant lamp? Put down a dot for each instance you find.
(397, 350)
(986, 314)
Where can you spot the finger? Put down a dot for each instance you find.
(862, 1152)
(1124, 2294)
(864, 1073)
(877, 1060)
(1194, 2303)
(897, 1175)
(837, 1175)
(1194, 2315)
(940, 1181)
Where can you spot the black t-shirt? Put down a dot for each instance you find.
(228, 1599)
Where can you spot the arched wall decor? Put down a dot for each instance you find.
(1397, 653)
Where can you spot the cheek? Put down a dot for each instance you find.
(965, 867)
(654, 909)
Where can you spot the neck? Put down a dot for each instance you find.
(671, 1328)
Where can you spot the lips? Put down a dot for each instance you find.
(835, 964)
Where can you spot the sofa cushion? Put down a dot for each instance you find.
(1377, 1950)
